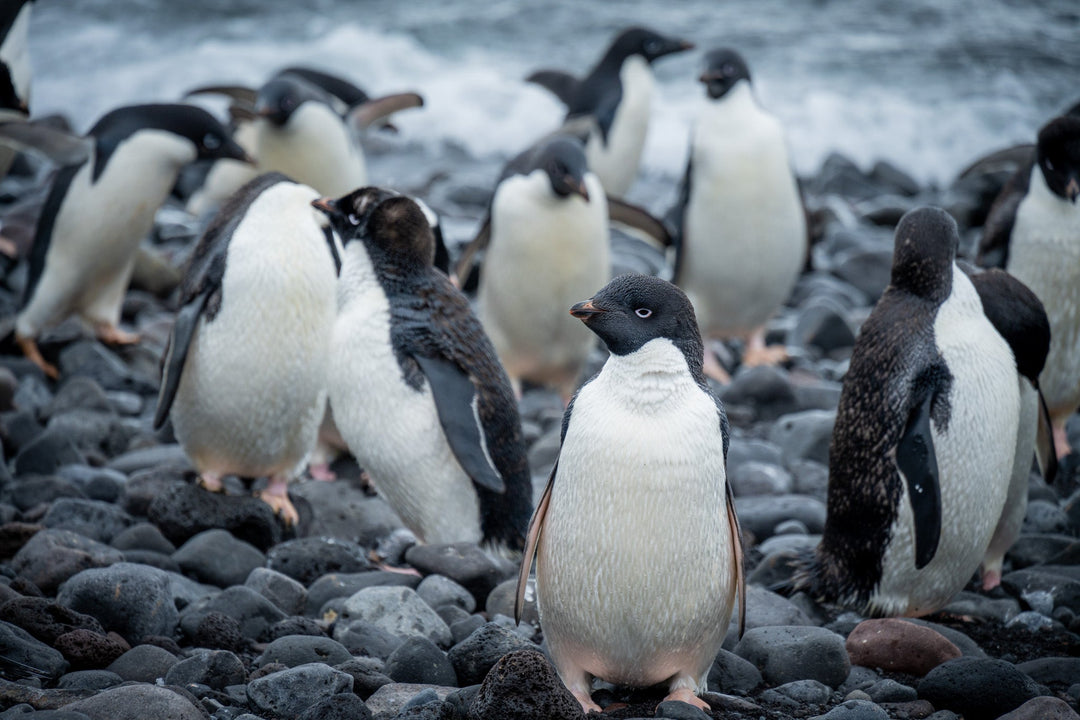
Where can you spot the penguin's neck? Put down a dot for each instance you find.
(736, 106)
(652, 375)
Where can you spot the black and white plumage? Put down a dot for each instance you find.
(1033, 231)
(547, 246)
(244, 376)
(416, 388)
(925, 437)
(101, 206)
(15, 72)
(637, 545)
(740, 224)
(610, 105)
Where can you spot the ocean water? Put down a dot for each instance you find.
(926, 84)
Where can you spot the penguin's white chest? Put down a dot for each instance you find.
(546, 254)
(315, 148)
(616, 161)
(253, 388)
(744, 227)
(1044, 254)
(974, 453)
(634, 565)
(392, 428)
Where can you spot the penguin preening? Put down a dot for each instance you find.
(610, 105)
(98, 210)
(1033, 232)
(637, 545)
(740, 234)
(245, 372)
(416, 387)
(925, 437)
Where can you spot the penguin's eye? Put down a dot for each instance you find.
(1049, 165)
(353, 219)
(211, 142)
(652, 46)
(643, 313)
(729, 69)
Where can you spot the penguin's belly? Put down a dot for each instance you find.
(253, 388)
(634, 569)
(225, 178)
(535, 270)
(1045, 256)
(745, 242)
(1016, 501)
(616, 161)
(394, 430)
(314, 149)
(975, 455)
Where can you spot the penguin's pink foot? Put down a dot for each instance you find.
(33, 354)
(210, 481)
(586, 702)
(115, 336)
(1061, 441)
(991, 579)
(321, 471)
(714, 370)
(687, 696)
(758, 353)
(276, 495)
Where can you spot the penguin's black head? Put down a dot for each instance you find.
(386, 221)
(723, 68)
(1058, 153)
(924, 251)
(633, 309)
(280, 97)
(563, 159)
(9, 98)
(211, 139)
(646, 43)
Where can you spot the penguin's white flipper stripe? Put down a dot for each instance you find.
(536, 525)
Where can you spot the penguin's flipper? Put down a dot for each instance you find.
(172, 365)
(675, 217)
(372, 111)
(737, 555)
(239, 113)
(468, 255)
(60, 147)
(638, 218)
(341, 89)
(531, 540)
(918, 464)
(997, 230)
(1045, 452)
(456, 402)
(560, 84)
(240, 93)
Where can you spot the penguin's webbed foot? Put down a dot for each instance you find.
(687, 696)
(991, 579)
(765, 355)
(1061, 441)
(112, 335)
(33, 354)
(322, 472)
(586, 702)
(211, 482)
(276, 495)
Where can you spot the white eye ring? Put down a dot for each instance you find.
(643, 312)
(1049, 165)
(354, 219)
(211, 142)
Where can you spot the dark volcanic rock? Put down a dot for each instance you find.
(787, 653)
(216, 557)
(1052, 670)
(343, 511)
(143, 663)
(278, 588)
(86, 649)
(418, 660)
(46, 620)
(137, 702)
(94, 519)
(343, 706)
(295, 650)
(523, 686)
(295, 625)
(97, 483)
(1042, 708)
(219, 631)
(91, 359)
(134, 600)
(13, 535)
(856, 710)
(474, 656)
(30, 490)
(979, 689)
(215, 668)
(183, 511)
(464, 563)
(252, 611)
(53, 556)
(26, 655)
(47, 452)
(732, 674)
(89, 680)
(290, 692)
(341, 585)
(437, 590)
(765, 389)
(308, 559)
(143, 536)
(761, 514)
(397, 610)
(366, 673)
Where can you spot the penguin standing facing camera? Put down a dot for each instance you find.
(637, 545)
(416, 387)
(99, 209)
(925, 438)
(245, 372)
(610, 106)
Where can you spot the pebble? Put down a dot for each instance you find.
(344, 512)
(46, 620)
(134, 600)
(365, 638)
(143, 663)
(474, 656)
(765, 608)
(366, 673)
(307, 559)
(182, 511)
(253, 613)
(397, 610)
(977, 688)
(88, 649)
(1062, 671)
(343, 706)
(27, 655)
(464, 563)
(215, 668)
(855, 710)
(1042, 708)
(137, 702)
(787, 653)
(523, 685)
(288, 693)
(294, 650)
(890, 691)
(388, 700)
(898, 646)
(758, 478)
(438, 590)
(799, 693)
(343, 585)
(89, 680)
(761, 514)
(804, 435)
(418, 660)
(733, 675)
(280, 589)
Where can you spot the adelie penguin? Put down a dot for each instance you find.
(637, 545)
(245, 372)
(610, 105)
(416, 387)
(1033, 231)
(925, 438)
(98, 210)
(740, 224)
(15, 55)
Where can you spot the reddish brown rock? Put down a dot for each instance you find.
(86, 650)
(1042, 708)
(898, 646)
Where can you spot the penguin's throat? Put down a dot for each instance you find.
(654, 374)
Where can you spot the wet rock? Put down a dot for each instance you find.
(144, 663)
(343, 706)
(182, 511)
(215, 668)
(732, 674)
(343, 511)
(254, 613)
(854, 710)
(979, 689)
(134, 600)
(278, 588)
(1042, 708)
(522, 686)
(308, 559)
(437, 590)
(418, 660)
(765, 608)
(898, 646)
(464, 563)
(28, 655)
(294, 650)
(784, 654)
(137, 702)
(399, 611)
(46, 620)
(761, 514)
(290, 692)
(341, 585)
(94, 519)
(474, 656)
(216, 557)
(51, 557)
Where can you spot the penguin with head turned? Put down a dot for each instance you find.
(98, 210)
(244, 376)
(1033, 232)
(610, 105)
(925, 438)
(637, 545)
(415, 385)
(740, 224)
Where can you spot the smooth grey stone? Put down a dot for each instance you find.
(765, 389)
(977, 688)
(134, 600)
(343, 706)
(151, 458)
(1052, 670)
(218, 558)
(53, 556)
(29, 491)
(1045, 517)
(890, 691)
(677, 710)
(744, 450)
(25, 653)
(802, 692)
(761, 514)
(868, 270)
(365, 638)
(366, 673)
(294, 650)
(474, 656)
(143, 536)
(344, 511)
(295, 625)
(977, 605)
(734, 675)
(464, 563)
(137, 702)
(398, 610)
(385, 702)
(290, 692)
(765, 608)
(788, 653)
(89, 680)
(94, 519)
(465, 627)
(418, 660)
(96, 483)
(437, 590)
(308, 559)
(185, 591)
(215, 668)
(91, 359)
(758, 478)
(144, 663)
(254, 613)
(278, 588)
(45, 453)
(343, 585)
(804, 435)
(855, 710)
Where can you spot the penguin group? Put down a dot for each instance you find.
(317, 303)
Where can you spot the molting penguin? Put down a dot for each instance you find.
(416, 388)
(637, 545)
(15, 55)
(610, 106)
(547, 231)
(1033, 231)
(244, 376)
(925, 437)
(741, 228)
(100, 208)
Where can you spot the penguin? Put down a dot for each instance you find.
(925, 438)
(100, 208)
(225, 176)
(610, 106)
(415, 385)
(1033, 232)
(15, 70)
(637, 544)
(741, 236)
(548, 245)
(245, 371)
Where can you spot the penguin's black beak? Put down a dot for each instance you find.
(1072, 189)
(586, 310)
(577, 186)
(327, 205)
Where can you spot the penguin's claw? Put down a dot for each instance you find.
(771, 355)
(586, 702)
(210, 481)
(33, 354)
(115, 336)
(687, 696)
(990, 580)
(276, 495)
(322, 472)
